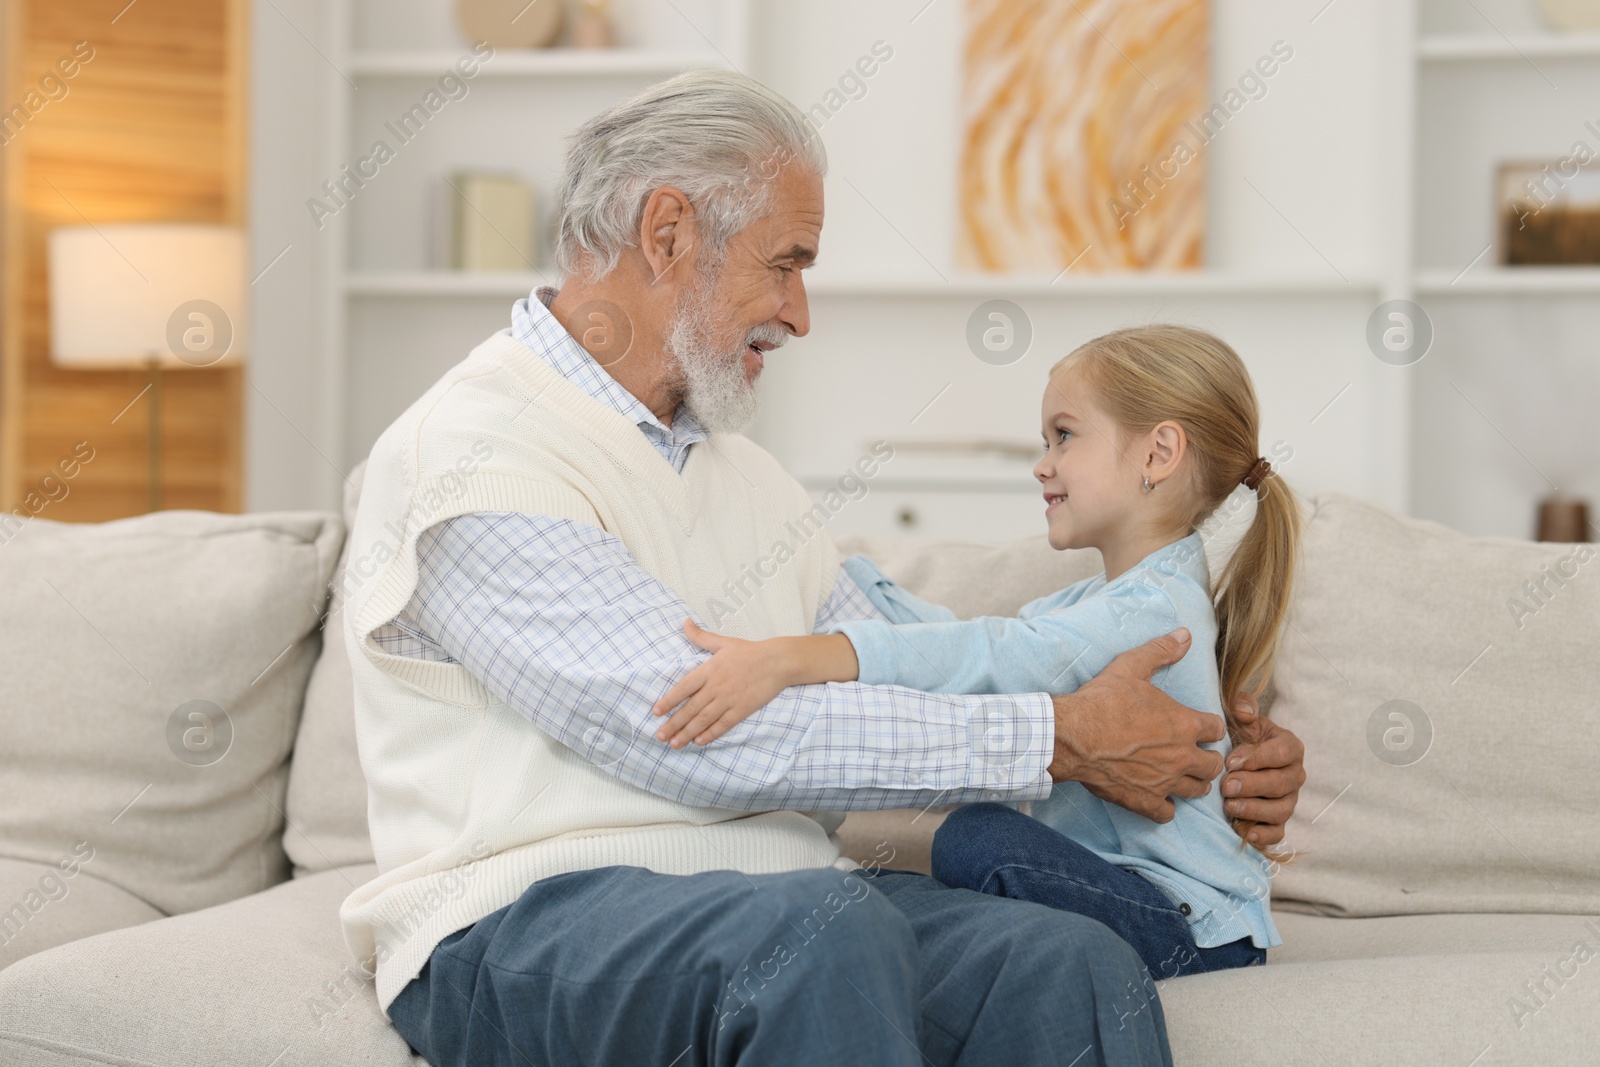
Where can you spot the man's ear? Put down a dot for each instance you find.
(1165, 447)
(667, 230)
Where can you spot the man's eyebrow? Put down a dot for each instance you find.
(799, 253)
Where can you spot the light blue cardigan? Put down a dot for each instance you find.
(1054, 645)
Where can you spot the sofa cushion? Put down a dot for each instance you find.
(327, 800)
(1476, 990)
(1448, 693)
(263, 980)
(267, 979)
(1321, 939)
(51, 904)
(898, 839)
(153, 678)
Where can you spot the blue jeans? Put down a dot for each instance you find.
(621, 965)
(990, 848)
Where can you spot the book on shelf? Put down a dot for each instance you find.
(486, 221)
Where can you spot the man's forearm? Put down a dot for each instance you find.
(556, 619)
(846, 746)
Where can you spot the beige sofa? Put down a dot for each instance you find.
(183, 807)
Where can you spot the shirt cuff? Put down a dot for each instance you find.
(1012, 744)
(863, 572)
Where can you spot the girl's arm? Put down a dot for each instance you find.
(742, 676)
(899, 606)
(1053, 652)
(893, 602)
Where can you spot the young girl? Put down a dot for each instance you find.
(1147, 432)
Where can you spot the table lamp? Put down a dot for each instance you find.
(152, 295)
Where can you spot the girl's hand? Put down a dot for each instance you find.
(740, 677)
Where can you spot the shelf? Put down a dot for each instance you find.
(1534, 281)
(1199, 283)
(446, 283)
(1127, 283)
(530, 63)
(1480, 46)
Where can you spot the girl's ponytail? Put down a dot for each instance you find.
(1253, 594)
(1252, 600)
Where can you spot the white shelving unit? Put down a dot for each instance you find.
(1525, 281)
(555, 63)
(1513, 369)
(1362, 176)
(439, 283)
(1454, 47)
(887, 331)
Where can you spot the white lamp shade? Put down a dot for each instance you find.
(122, 295)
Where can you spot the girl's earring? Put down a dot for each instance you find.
(1147, 485)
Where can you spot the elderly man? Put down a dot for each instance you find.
(560, 887)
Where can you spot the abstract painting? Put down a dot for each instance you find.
(1079, 146)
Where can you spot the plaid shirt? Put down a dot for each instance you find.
(556, 618)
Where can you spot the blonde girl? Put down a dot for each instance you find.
(1147, 432)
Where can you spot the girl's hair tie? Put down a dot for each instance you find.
(1257, 474)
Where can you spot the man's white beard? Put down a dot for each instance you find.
(715, 386)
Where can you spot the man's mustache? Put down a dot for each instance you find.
(775, 336)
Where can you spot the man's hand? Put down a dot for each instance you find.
(1265, 772)
(1128, 742)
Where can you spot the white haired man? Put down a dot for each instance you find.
(560, 887)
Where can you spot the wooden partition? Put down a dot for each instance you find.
(149, 125)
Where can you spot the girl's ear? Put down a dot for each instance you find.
(1165, 448)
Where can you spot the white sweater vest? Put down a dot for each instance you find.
(468, 802)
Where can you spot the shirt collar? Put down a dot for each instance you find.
(1186, 556)
(534, 326)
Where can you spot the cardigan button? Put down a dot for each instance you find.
(1184, 909)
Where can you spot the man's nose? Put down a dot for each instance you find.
(795, 313)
